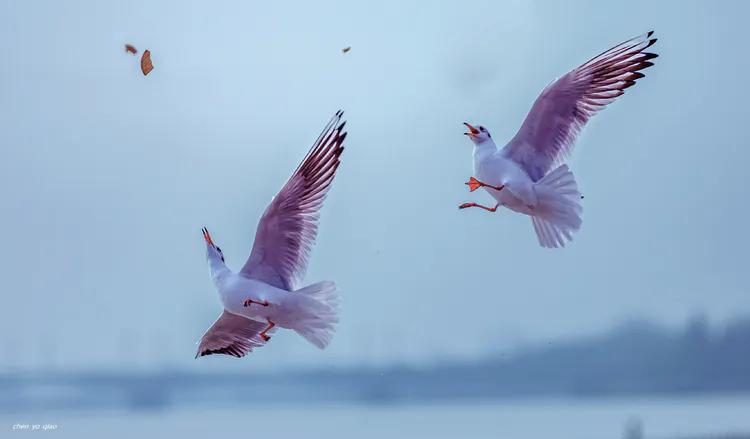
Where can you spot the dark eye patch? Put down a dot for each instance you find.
(218, 249)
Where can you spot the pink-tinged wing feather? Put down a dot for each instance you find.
(231, 335)
(560, 112)
(288, 228)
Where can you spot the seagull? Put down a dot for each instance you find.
(520, 176)
(265, 294)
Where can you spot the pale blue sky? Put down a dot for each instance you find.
(107, 176)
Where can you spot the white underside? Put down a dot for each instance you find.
(235, 290)
(553, 202)
(311, 311)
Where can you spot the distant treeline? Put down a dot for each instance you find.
(637, 358)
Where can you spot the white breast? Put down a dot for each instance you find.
(237, 289)
(496, 169)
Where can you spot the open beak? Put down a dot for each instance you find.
(207, 236)
(472, 131)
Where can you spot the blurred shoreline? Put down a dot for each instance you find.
(633, 360)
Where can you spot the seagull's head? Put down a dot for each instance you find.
(477, 134)
(213, 252)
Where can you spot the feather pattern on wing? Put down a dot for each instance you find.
(560, 112)
(231, 335)
(289, 226)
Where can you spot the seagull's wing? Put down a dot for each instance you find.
(231, 335)
(288, 228)
(560, 112)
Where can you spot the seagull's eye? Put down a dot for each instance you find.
(218, 249)
(482, 129)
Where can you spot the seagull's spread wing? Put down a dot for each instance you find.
(287, 230)
(564, 107)
(231, 335)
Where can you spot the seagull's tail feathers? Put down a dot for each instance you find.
(558, 211)
(319, 319)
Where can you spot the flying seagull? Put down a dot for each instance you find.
(521, 176)
(265, 294)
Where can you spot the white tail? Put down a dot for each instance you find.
(558, 211)
(320, 315)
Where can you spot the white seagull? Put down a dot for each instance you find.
(265, 294)
(520, 176)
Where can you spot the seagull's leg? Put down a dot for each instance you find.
(475, 184)
(263, 334)
(488, 209)
(249, 302)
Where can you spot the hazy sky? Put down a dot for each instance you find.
(107, 176)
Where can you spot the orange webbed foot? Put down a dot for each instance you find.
(473, 184)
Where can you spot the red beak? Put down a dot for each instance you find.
(207, 237)
(472, 131)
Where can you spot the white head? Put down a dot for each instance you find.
(214, 255)
(477, 135)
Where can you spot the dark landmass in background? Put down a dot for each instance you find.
(637, 358)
